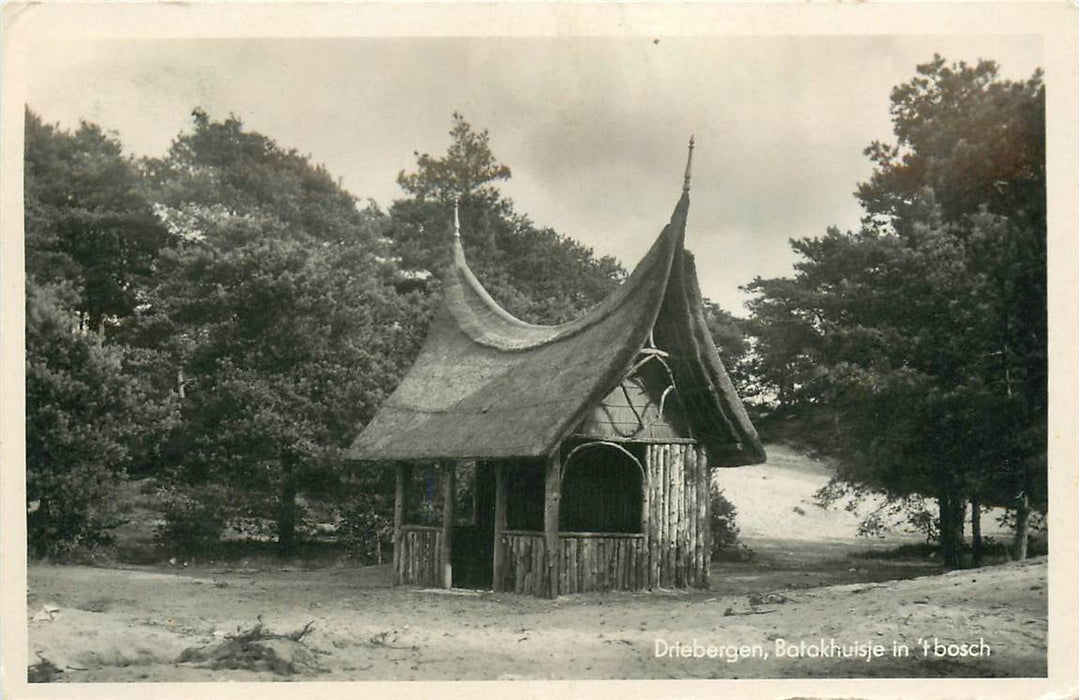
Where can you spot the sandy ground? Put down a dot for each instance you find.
(806, 583)
(133, 625)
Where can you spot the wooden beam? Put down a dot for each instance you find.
(552, 499)
(500, 525)
(404, 473)
(448, 487)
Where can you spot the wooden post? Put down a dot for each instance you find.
(646, 507)
(551, 502)
(707, 516)
(500, 525)
(404, 472)
(448, 487)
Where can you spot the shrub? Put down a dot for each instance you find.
(366, 527)
(725, 545)
(195, 517)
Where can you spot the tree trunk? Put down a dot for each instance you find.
(976, 544)
(1022, 527)
(286, 513)
(952, 508)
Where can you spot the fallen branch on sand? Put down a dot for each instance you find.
(257, 649)
(731, 611)
(258, 632)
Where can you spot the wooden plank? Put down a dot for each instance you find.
(398, 519)
(500, 525)
(691, 514)
(603, 563)
(703, 555)
(706, 517)
(641, 554)
(653, 545)
(626, 563)
(525, 563)
(551, 501)
(695, 525)
(668, 534)
(563, 546)
(515, 558)
(623, 564)
(449, 478)
(661, 522)
(570, 543)
(683, 519)
(620, 565)
(679, 510)
(586, 565)
(578, 570)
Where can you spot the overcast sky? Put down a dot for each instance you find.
(595, 130)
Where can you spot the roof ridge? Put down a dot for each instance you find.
(487, 323)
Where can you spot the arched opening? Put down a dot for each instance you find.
(602, 488)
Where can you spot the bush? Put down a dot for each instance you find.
(366, 527)
(195, 517)
(725, 545)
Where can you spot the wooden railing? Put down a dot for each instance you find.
(590, 561)
(420, 559)
(524, 562)
(602, 561)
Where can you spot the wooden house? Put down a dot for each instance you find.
(587, 446)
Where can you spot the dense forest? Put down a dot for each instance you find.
(220, 321)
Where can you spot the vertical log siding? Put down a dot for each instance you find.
(672, 551)
(420, 560)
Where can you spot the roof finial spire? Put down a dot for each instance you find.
(456, 219)
(689, 163)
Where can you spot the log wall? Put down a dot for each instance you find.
(672, 552)
(676, 503)
(420, 559)
(602, 562)
(524, 562)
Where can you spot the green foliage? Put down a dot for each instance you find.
(725, 544)
(88, 224)
(195, 518)
(366, 525)
(731, 337)
(467, 170)
(280, 312)
(915, 348)
(82, 421)
(535, 273)
(911, 509)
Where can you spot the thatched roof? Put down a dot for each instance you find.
(487, 385)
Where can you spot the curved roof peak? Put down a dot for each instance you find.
(486, 322)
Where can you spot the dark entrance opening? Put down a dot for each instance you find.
(602, 490)
(473, 529)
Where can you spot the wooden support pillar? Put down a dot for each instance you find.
(552, 499)
(498, 564)
(448, 487)
(708, 534)
(400, 507)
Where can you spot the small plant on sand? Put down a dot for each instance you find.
(725, 544)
